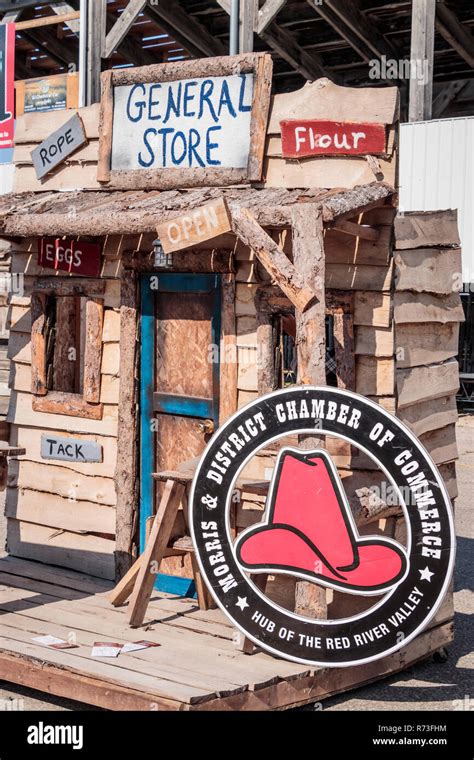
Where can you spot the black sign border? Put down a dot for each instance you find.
(421, 614)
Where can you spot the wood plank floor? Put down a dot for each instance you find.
(196, 666)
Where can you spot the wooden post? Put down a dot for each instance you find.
(308, 257)
(422, 52)
(126, 472)
(95, 45)
(248, 23)
(267, 380)
(344, 348)
(38, 344)
(266, 384)
(93, 352)
(229, 366)
(154, 551)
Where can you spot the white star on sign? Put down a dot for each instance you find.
(242, 603)
(425, 575)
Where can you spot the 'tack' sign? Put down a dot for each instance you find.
(70, 256)
(303, 138)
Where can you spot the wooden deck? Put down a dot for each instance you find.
(197, 666)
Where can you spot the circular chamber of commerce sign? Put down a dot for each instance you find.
(308, 531)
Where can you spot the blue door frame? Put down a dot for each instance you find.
(151, 285)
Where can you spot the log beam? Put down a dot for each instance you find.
(122, 26)
(422, 49)
(35, 23)
(126, 471)
(308, 255)
(61, 52)
(64, 9)
(309, 65)
(348, 21)
(455, 34)
(447, 94)
(172, 18)
(273, 258)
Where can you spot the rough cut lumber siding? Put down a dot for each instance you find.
(46, 496)
(322, 97)
(427, 314)
(325, 100)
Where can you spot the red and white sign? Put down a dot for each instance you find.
(7, 85)
(70, 256)
(309, 137)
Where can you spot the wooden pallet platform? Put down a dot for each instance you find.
(197, 666)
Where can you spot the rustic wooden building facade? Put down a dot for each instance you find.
(316, 281)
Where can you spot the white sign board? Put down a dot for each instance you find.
(58, 146)
(192, 123)
(198, 123)
(70, 449)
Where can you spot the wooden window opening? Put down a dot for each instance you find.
(339, 325)
(66, 347)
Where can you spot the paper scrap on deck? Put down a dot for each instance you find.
(105, 649)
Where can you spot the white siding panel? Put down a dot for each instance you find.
(6, 178)
(437, 172)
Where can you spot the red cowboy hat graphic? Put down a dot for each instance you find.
(309, 531)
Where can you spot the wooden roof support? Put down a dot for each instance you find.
(451, 29)
(126, 471)
(268, 13)
(64, 9)
(362, 198)
(273, 258)
(132, 52)
(309, 65)
(248, 24)
(62, 52)
(34, 23)
(122, 26)
(11, 17)
(447, 94)
(95, 43)
(100, 213)
(308, 256)
(348, 21)
(172, 18)
(309, 260)
(422, 49)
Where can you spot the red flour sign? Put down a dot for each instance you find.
(70, 256)
(309, 137)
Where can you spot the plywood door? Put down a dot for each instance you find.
(185, 383)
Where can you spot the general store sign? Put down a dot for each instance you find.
(196, 122)
(70, 256)
(308, 137)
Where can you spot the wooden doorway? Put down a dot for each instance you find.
(179, 384)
